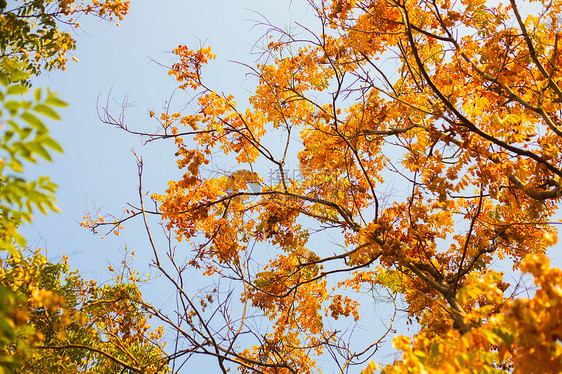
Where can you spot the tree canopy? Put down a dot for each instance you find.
(406, 148)
(422, 138)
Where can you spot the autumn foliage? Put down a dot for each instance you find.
(416, 148)
(403, 147)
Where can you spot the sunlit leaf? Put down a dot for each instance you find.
(46, 111)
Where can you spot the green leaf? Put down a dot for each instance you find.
(24, 132)
(49, 142)
(16, 166)
(20, 76)
(12, 106)
(46, 111)
(18, 89)
(37, 94)
(55, 101)
(52, 206)
(13, 124)
(23, 149)
(3, 80)
(41, 207)
(34, 121)
(38, 149)
(7, 136)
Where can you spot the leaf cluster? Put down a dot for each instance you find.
(32, 32)
(59, 322)
(24, 139)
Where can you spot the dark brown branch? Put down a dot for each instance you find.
(96, 350)
(468, 237)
